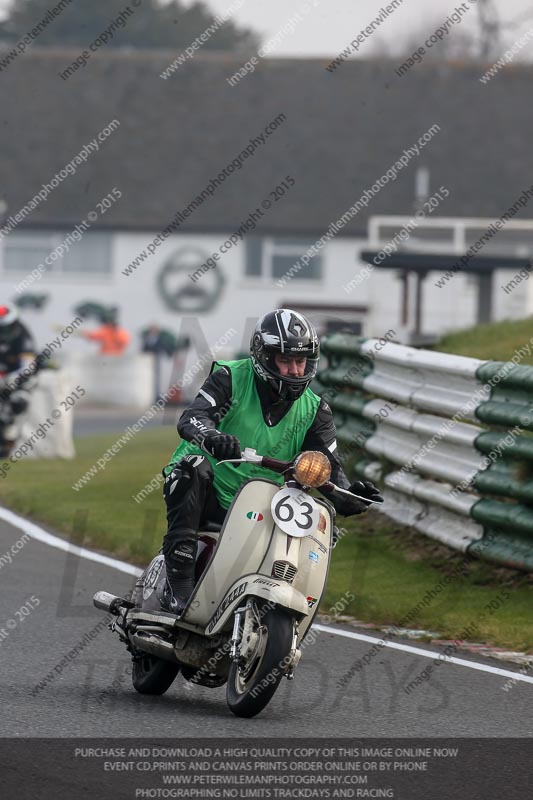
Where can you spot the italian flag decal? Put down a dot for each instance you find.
(255, 515)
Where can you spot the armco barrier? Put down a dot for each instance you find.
(449, 438)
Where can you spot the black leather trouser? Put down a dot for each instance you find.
(191, 502)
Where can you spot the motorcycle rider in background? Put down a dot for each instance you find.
(17, 351)
(263, 402)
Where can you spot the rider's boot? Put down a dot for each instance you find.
(180, 574)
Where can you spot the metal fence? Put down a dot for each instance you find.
(447, 437)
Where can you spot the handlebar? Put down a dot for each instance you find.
(330, 487)
(250, 456)
(276, 465)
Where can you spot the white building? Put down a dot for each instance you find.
(97, 167)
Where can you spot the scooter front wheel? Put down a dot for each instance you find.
(253, 681)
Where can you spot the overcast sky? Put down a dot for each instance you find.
(328, 28)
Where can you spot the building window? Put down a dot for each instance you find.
(24, 252)
(273, 259)
(331, 318)
(91, 254)
(343, 326)
(58, 254)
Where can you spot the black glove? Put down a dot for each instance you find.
(348, 506)
(221, 445)
(366, 489)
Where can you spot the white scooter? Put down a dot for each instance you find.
(260, 580)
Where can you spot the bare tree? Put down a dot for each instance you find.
(490, 30)
(483, 41)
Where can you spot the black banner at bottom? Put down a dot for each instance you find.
(138, 769)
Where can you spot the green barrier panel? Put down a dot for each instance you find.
(499, 373)
(507, 516)
(318, 387)
(510, 394)
(354, 434)
(360, 467)
(502, 483)
(341, 344)
(502, 548)
(505, 414)
(346, 375)
(326, 392)
(505, 445)
(349, 404)
(343, 402)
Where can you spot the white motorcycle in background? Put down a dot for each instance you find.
(259, 582)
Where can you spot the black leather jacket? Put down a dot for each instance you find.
(15, 341)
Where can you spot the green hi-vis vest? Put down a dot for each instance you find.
(245, 420)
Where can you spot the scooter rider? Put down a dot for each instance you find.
(17, 351)
(262, 402)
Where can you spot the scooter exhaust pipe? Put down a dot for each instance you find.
(153, 645)
(109, 602)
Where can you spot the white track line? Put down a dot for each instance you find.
(427, 653)
(61, 544)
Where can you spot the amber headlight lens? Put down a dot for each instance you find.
(312, 468)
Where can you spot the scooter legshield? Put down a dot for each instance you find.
(252, 548)
(242, 545)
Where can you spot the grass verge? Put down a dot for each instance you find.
(102, 514)
(389, 570)
(497, 341)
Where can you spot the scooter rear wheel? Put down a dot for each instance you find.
(152, 675)
(251, 686)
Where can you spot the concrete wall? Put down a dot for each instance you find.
(48, 405)
(126, 380)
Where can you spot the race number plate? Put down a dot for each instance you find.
(295, 512)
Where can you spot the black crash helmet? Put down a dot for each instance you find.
(287, 333)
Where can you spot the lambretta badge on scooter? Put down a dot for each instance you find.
(225, 603)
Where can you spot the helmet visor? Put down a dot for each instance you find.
(293, 369)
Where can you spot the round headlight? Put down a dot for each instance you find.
(312, 468)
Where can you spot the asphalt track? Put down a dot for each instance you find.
(78, 700)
